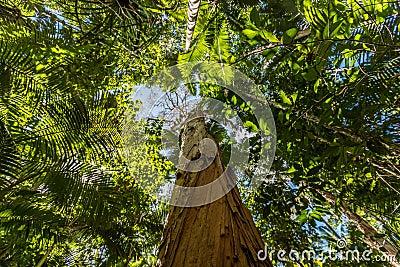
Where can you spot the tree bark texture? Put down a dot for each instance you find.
(218, 234)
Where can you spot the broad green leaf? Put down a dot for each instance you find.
(234, 100)
(294, 97)
(264, 126)
(284, 98)
(291, 32)
(269, 36)
(250, 33)
(255, 17)
(311, 75)
(251, 126)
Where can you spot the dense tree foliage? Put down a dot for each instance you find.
(330, 71)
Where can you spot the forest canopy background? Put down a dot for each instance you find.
(329, 70)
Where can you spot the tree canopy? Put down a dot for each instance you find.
(329, 70)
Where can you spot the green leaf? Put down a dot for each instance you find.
(316, 215)
(250, 33)
(250, 126)
(39, 67)
(336, 28)
(234, 100)
(339, 5)
(263, 126)
(267, 145)
(373, 184)
(302, 218)
(311, 75)
(255, 17)
(220, 51)
(350, 181)
(288, 36)
(269, 36)
(294, 97)
(292, 32)
(280, 116)
(285, 99)
(316, 85)
(291, 170)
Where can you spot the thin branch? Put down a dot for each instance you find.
(299, 35)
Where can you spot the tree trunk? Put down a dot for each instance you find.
(218, 234)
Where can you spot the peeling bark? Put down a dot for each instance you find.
(218, 234)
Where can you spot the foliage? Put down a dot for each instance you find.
(67, 196)
(330, 73)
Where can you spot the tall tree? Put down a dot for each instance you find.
(221, 233)
(327, 69)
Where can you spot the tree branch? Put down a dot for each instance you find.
(299, 35)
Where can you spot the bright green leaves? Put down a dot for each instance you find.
(59, 50)
(211, 40)
(251, 34)
(291, 170)
(221, 46)
(264, 127)
(39, 67)
(335, 21)
(198, 51)
(177, 15)
(294, 96)
(291, 32)
(310, 216)
(339, 75)
(250, 126)
(303, 217)
(363, 11)
(234, 100)
(327, 21)
(373, 183)
(284, 98)
(316, 16)
(332, 29)
(316, 85)
(254, 29)
(289, 35)
(60, 131)
(339, 5)
(268, 36)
